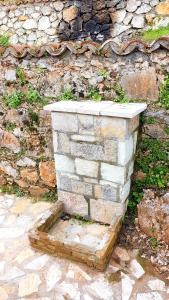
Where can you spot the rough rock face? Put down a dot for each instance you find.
(153, 215)
(55, 21)
(163, 8)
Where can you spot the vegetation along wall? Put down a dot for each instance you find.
(101, 64)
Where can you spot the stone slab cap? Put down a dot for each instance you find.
(104, 108)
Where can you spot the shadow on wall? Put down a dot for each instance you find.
(85, 18)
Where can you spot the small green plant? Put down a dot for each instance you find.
(66, 95)
(150, 121)
(154, 34)
(121, 97)
(4, 40)
(94, 94)
(12, 189)
(153, 242)
(152, 161)
(103, 73)
(166, 129)
(33, 117)
(77, 219)
(33, 96)
(14, 100)
(50, 196)
(164, 93)
(152, 229)
(9, 126)
(21, 76)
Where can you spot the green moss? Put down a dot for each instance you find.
(4, 40)
(153, 34)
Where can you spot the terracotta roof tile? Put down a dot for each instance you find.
(108, 47)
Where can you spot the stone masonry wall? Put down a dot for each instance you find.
(26, 154)
(94, 158)
(40, 23)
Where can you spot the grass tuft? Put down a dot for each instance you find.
(154, 34)
(4, 40)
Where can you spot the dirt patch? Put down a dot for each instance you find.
(153, 255)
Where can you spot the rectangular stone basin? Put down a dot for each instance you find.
(63, 235)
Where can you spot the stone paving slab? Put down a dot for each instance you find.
(29, 274)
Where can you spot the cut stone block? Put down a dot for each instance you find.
(84, 138)
(104, 211)
(125, 151)
(133, 124)
(69, 184)
(110, 127)
(86, 124)
(87, 151)
(116, 174)
(64, 163)
(63, 143)
(124, 191)
(74, 203)
(106, 192)
(64, 122)
(55, 142)
(86, 167)
(104, 108)
(110, 150)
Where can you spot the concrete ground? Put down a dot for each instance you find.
(29, 274)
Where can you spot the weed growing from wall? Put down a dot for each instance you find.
(66, 95)
(164, 93)
(94, 94)
(152, 161)
(4, 40)
(21, 76)
(154, 34)
(120, 95)
(32, 96)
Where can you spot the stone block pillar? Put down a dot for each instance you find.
(94, 146)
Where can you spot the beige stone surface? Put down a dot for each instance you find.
(30, 175)
(163, 8)
(61, 279)
(70, 13)
(141, 84)
(29, 285)
(47, 173)
(9, 141)
(73, 203)
(20, 206)
(104, 211)
(3, 294)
